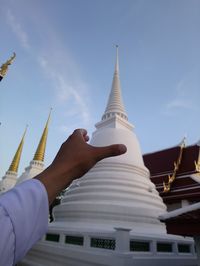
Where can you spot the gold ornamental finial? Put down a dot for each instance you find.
(183, 142)
(197, 166)
(4, 67)
(171, 178)
(40, 152)
(15, 162)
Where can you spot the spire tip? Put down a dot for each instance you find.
(16, 160)
(40, 152)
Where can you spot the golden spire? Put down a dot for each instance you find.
(39, 154)
(4, 67)
(15, 162)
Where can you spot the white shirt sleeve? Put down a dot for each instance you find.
(23, 220)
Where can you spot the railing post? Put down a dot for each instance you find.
(197, 244)
(86, 242)
(122, 239)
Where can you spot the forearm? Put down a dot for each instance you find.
(53, 182)
(26, 206)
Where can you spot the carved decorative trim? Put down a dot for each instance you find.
(197, 166)
(171, 178)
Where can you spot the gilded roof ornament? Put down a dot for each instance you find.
(197, 166)
(171, 178)
(198, 143)
(40, 152)
(16, 160)
(197, 163)
(4, 67)
(183, 143)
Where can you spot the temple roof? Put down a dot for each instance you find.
(160, 162)
(180, 165)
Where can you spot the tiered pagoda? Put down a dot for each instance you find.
(111, 216)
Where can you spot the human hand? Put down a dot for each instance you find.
(76, 157)
(73, 160)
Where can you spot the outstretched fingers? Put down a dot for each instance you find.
(109, 151)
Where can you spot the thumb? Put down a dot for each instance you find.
(109, 151)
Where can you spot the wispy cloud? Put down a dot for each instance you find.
(186, 94)
(69, 89)
(179, 103)
(17, 29)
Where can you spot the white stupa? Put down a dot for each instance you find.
(117, 192)
(110, 215)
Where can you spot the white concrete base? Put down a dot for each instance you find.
(8, 181)
(48, 253)
(35, 168)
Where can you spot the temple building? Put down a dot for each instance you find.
(176, 173)
(112, 215)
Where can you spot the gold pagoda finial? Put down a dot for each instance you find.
(15, 162)
(40, 152)
(4, 67)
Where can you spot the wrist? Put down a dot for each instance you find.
(54, 182)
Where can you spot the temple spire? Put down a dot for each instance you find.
(117, 60)
(40, 152)
(115, 104)
(16, 160)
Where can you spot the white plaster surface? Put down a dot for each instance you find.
(34, 168)
(8, 181)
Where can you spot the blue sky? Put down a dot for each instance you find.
(65, 60)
